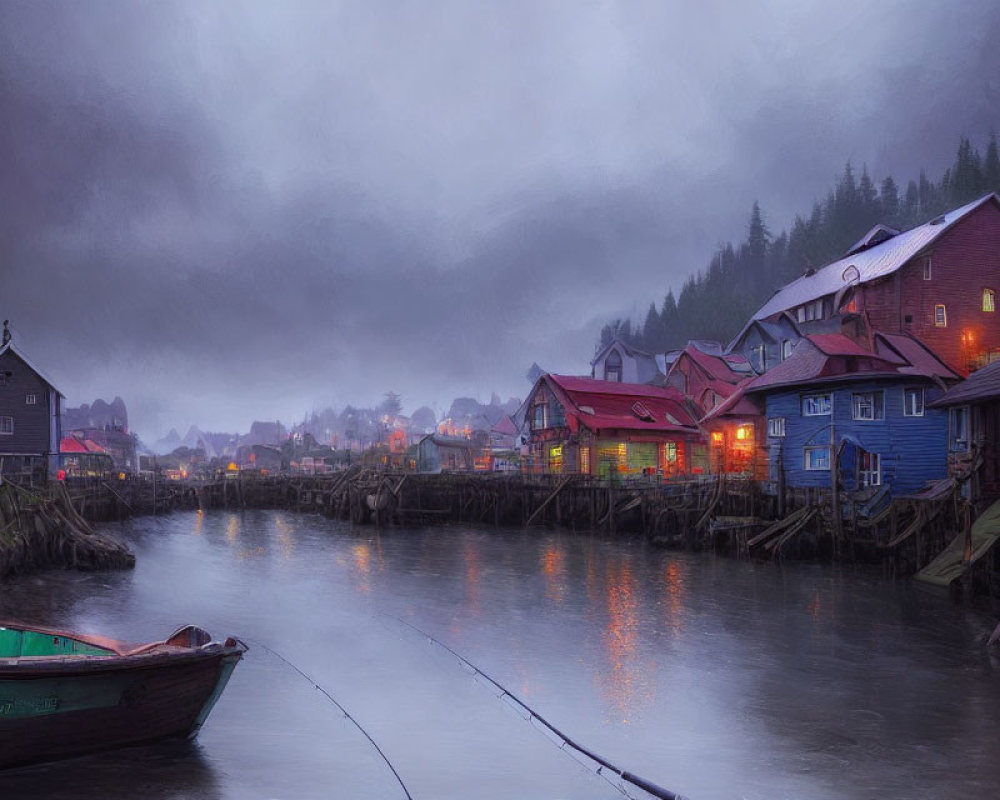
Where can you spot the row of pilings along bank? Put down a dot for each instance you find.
(726, 514)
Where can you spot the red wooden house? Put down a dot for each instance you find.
(605, 428)
(705, 378)
(737, 435)
(938, 282)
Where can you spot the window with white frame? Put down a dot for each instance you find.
(913, 402)
(758, 357)
(31, 399)
(869, 406)
(940, 316)
(6, 426)
(786, 348)
(989, 300)
(817, 405)
(927, 268)
(817, 458)
(869, 469)
(776, 426)
(540, 414)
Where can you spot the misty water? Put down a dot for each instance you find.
(711, 677)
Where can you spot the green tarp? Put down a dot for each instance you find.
(949, 564)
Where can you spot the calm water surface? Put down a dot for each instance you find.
(713, 678)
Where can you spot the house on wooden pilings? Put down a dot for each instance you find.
(610, 429)
(866, 409)
(30, 416)
(737, 434)
(937, 282)
(973, 408)
(439, 453)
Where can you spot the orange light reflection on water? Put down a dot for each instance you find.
(674, 597)
(621, 639)
(554, 570)
(362, 553)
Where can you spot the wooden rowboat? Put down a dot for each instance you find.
(64, 694)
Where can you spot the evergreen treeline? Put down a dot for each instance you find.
(717, 302)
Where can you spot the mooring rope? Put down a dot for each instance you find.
(624, 775)
(343, 711)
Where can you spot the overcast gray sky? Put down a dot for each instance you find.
(234, 211)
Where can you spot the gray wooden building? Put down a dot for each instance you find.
(30, 415)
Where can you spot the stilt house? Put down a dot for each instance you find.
(865, 410)
(604, 428)
(937, 282)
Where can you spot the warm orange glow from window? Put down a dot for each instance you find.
(232, 466)
(744, 432)
(717, 437)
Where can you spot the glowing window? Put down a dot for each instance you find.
(989, 300)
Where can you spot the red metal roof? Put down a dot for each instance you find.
(71, 444)
(738, 404)
(597, 405)
(823, 357)
(715, 366)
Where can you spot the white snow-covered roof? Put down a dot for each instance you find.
(876, 262)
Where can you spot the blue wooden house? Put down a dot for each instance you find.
(860, 404)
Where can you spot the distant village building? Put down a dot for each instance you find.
(439, 453)
(623, 363)
(834, 403)
(938, 282)
(597, 427)
(30, 414)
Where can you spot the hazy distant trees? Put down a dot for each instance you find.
(715, 302)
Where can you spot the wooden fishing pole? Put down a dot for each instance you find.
(625, 775)
(343, 711)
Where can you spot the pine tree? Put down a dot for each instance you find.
(650, 333)
(890, 201)
(991, 168)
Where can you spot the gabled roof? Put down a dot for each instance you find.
(980, 386)
(505, 426)
(814, 361)
(715, 367)
(633, 352)
(828, 357)
(609, 405)
(9, 348)
(738, 404)
(772, 330)
(874, 262)
(916, 357)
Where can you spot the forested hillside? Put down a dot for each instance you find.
(716, 302)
